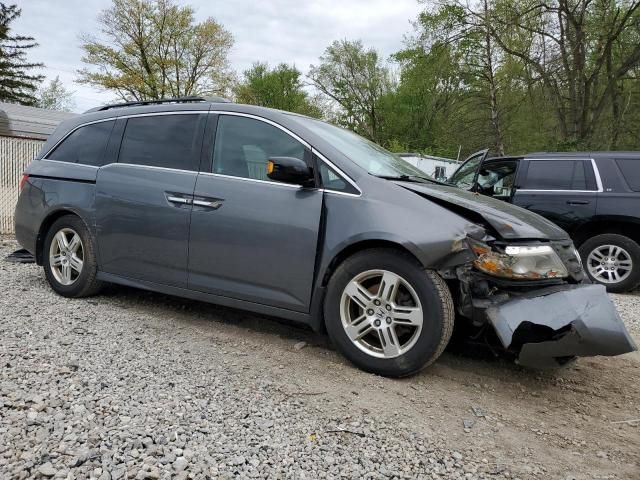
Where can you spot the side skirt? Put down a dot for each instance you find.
(207, 297)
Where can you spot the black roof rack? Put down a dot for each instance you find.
(139, 103)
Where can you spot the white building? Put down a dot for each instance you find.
(438, 167)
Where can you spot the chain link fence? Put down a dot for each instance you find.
(15, 155)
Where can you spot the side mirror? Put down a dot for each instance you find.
(290, 170)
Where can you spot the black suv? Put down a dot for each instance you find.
(594, 196)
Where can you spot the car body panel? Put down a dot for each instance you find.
(509, 221)
(581, 319)
(257, 243)
(141, 233)
(51, 189)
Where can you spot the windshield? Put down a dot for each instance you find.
(368, 155)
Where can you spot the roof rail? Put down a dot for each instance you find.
(139, 103)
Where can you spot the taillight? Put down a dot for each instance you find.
(23, 181)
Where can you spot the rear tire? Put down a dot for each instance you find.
(386, 314)
(602, 253)
(69, 258)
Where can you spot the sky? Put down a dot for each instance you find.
(291, 31)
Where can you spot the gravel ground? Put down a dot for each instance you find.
(131, 384)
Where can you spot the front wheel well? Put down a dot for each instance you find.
(358, 247)
(44, 228)
(619, 227)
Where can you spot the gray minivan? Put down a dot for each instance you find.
(289, 216)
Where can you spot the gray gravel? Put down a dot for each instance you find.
(121, 386)
(99, 388)
(628, 306)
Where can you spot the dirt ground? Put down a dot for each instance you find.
(569, 423)
(572, 423)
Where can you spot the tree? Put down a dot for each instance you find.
(154, 50)
(17, 84)
(580, 50)
(55, 96)
(280, 88)
(356, 79)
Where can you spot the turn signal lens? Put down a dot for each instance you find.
(269, 167)
(23, 181)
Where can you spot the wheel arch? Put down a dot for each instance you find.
(621, 225)
(317, 317)
(46, 224)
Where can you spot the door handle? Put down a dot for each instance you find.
(179, 200)
(213, 204)
(578, 202)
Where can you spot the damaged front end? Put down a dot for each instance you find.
(535, 298)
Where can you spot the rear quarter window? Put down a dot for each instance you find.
(85, 145)
(630, 169)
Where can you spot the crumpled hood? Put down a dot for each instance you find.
(509, 221)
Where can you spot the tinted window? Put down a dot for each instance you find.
(630, 168)
(579, 181)
(169, 141)
(560, 175)
(243, 146)
(85, 145)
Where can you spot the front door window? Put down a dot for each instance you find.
(243, 146)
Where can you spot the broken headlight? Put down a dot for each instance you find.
(519, 262)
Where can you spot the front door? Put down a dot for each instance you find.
(465, 176)
(143, 202)
(252, 238)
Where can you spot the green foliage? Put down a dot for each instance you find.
(279, 88)
(154, 50)
(55, 96)
(356, 80)
(513, 75)
(17, 84)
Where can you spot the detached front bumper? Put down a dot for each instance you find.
(550, 326)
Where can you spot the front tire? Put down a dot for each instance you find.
(612, 260)
(69, 258)
(386, 314)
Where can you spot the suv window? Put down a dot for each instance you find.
(85, 145)
(243, 146)
(630, 168)
(168, 141)
(559, 175)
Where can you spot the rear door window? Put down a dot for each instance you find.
(167, 141)
(630, 168)
(559, 175)
(86, 145)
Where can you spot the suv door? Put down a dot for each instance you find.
(465, 176)
(143, 202)
(563, 190)
(252, 238)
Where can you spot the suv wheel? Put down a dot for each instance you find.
(612, 260)
(69, 258)
(386, 314)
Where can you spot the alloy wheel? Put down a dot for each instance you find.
(66, 256)
(381, 313)
(609, 264)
